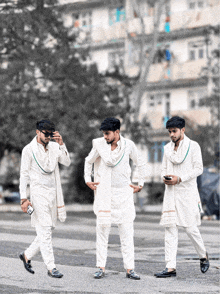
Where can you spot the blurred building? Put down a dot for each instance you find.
(114, 30)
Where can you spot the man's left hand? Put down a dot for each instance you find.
(58, 138)
(136, 188)
(25, 204)
(174, 180)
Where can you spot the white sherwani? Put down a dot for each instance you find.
(186, 195)
(186, 200)
(119, 200)
(122, 203)
(42, 186)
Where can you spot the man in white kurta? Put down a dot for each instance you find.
(182, 162)
(113, 203)
(39, 168)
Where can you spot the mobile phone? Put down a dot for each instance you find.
(30, 210)
(167, 178)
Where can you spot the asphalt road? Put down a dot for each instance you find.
(74, 249)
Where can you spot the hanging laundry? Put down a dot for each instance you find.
(167, 27)
(168, 55)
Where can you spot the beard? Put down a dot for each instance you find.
(110, 141)
(45, 143)
(176, 140)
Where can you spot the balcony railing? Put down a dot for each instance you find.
(192, 19)
(176, 71)
(179, 20)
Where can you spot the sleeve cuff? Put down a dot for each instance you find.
(63, 146)
(141, 183)
(87, 179)
(184, 178)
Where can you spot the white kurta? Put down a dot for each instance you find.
(42, 186)
(122, 203)
(186, 194)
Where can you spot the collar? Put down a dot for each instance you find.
(180, 144)
(42, 146)
(119, 142)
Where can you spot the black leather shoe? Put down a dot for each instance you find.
(204, 264)
(99, 274)
(27, 265)
(165, 274)
(132, 275)
(55, 273)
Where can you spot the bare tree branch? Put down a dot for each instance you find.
(146, 62)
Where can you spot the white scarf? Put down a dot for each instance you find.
(168, 217)
(102, 202)
(48, 168)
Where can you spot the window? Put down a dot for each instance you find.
(196, 98)
(196, 4)
(151, 101)
(116, 15)
(196, 50)
(82, 20)
(156, 152)
(116, 59)
(166, 109)
(133, 53)
(192, 55)
(86, 19)
(192, 5)
(200, 4)
(201, 53)
(155, 99)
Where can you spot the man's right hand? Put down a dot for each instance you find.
(92, 185)
(24, 206)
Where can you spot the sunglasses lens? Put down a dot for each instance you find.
(46, 134)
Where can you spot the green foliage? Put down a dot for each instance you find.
(45, 78)
(206, 137)
(24, 37)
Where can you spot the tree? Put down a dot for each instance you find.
(145, 63)
(205, 137)
(133, 87)
(208, 136)
(44, 77)
(211, 72)
(31, 39)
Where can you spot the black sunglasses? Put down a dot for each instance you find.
(47, 134)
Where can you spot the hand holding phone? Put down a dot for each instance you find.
(167, 178)
(30, 210)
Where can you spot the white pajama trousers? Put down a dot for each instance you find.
(42, 243)
(171, 243)
(126, 233)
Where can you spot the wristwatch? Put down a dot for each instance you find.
(22, 201)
